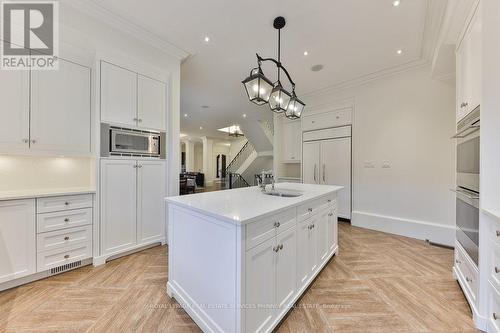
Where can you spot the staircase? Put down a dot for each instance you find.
(256, 155)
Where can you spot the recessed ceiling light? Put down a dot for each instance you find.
(201, 127)
(399, 51)
(185, 115)
(306, 53)
(206, 39)
(396, 3)
(244, 115)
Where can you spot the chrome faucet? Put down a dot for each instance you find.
(263, 180)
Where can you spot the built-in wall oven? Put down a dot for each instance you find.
(467, 191)
(119, 141)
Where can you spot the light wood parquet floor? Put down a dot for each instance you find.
(377, 283)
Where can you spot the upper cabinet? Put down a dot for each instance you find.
(468, 64)
(60, 109)
(151, 103)
(131, 99)
(15, 112)
(118, 95)
(46, 110)
(291, 141)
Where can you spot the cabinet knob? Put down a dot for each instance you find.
(309, 209)
(66, 238)
(458, 261)
(33, 141)
(66, 203)
(139, 120)
(329, 200)
(139, 165)
(468, 279)
(495, 316)
(497, 270)
(276, 249)
(281, 246)
(66, 256)
(66, 220)
(277, 224)
(26, 141)
(331, 214)
(498, 233)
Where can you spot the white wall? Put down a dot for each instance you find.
(198, 157)
(235, 147)
(407, 120)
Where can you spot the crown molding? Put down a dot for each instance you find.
(364, 79)
(106, 16)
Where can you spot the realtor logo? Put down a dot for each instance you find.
(29, 35)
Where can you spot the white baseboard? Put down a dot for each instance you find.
(436, 233)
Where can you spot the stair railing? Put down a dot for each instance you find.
(240, 158)
(236, 181)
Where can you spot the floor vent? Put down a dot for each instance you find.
(66, 267)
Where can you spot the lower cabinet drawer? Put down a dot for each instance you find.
(63, 220)
(62, 238)
(467, 270)
(494, 309)
(306, 210)
(55, 204)
(494, 265)
(260, 231)
(58, 257)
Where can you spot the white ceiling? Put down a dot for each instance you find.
(351, 38)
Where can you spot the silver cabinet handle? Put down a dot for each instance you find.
(497, 270)
(458, 261)
(498, 233)
(315, 174)
(66, 238)
(66, 256)
(33, 141)
(139, 120)
(277, 224)
(495, 316)
(136, 119)
(276, 249)
(331, 214)
(26, 141)
(309, 210)
(66, 220)
(281, 246)
(324, 167)
(66, 203)
(468, 279)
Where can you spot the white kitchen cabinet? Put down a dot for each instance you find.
(60, 109)
(260, 285)
(291, 141)
(151, 110)
(469, 68)
(310, 162)
(118, 95)
(286, 268)
(132, 209)
(151, 191)
(327, 161)
(118, 205)
(17, 239)
(14, 127)
(336, 169)
(321, 230)
(333, 234)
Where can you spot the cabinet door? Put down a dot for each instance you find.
(336, 170)
(60, 109)
(118, 204)
(259, 286)
(303, 229)
(321, 231)
(462, 60)
(291, 141)
(332, 230)
(151, 107)
(17, 239)
(14, 94)
(312, 247)
(118, 95)
(474, 62)
(151, 189)
(286, 264)
(310, 162)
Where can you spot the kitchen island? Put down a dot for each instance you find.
(239, 259)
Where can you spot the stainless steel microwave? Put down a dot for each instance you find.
(119, 141)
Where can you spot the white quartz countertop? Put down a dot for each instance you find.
(247, 204)
(47, 192)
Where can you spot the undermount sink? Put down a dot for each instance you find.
(285, 194)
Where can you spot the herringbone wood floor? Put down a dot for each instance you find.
(378, 283)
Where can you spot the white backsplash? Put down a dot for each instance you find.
(29, 172)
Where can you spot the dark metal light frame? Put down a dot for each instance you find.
(298, 106)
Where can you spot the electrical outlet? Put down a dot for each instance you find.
(369, 165)
(386, 165)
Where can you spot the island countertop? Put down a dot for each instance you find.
(248, 204)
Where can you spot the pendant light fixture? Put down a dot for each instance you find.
(261, 90)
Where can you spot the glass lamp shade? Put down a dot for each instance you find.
(279, 99)
(258, 87)
(295, 108)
